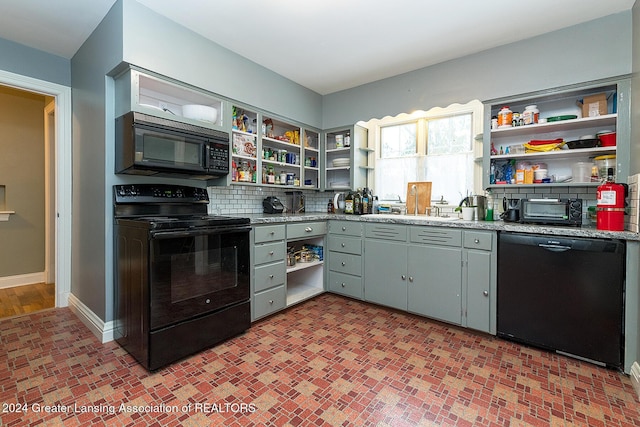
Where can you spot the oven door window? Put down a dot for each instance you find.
(192, 275)
(545, 210)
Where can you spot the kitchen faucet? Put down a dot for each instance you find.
(414, 191)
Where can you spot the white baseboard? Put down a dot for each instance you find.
(635, 378)
(21, 280)
(103, 331)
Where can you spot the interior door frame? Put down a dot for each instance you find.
(62, 174)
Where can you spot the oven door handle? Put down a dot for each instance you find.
(196, 232)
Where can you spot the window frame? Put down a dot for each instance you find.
(474, 107)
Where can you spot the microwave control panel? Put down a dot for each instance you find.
(219, 157)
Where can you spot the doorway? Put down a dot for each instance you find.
(27, 264)
(58, 204)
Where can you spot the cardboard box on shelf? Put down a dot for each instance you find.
(594, 105)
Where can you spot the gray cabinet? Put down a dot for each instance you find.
(385, 275)
(435, 282)
(345, 258)
(268, 292)
(479, 275)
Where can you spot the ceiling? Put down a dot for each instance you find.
(324, 45)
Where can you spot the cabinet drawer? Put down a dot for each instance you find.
(347, 228)
(345, 263)
(268, 233)
(267, 302)
(436, 236)
(269, 252)
(268, 276)
(478, 240)
(349, 245)
(386, 231)
(345, 284)
(306, 229)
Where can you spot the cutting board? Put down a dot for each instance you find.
(424, 197)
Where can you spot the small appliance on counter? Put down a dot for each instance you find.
(511, 209)
(272, 205)
(295, 201)
(551, 211)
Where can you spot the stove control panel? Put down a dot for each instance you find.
(159, 193)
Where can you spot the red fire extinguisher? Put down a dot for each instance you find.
(610, 205)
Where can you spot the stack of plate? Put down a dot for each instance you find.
(339, 163)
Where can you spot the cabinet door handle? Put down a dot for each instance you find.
(343, 285)
(308, 229)
(485, 293)
(404, 277)
(411, 279)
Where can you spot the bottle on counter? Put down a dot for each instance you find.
(348, 203)
(365, 201)
(375, 206)
(357, 203)
(330, 207)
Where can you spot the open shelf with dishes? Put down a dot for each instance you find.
(574, 128)
(346, 158)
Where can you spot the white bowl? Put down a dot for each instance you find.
(340, 162)
(200, 112)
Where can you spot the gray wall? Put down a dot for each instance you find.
(90, 263)
(590, 51)
(180, 53)
(25, 61)
(22, 175)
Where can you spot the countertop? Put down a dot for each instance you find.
(586, 231)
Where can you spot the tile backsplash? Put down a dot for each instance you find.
(587, 194)
(247, 200)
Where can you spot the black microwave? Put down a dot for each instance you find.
(551, 211)
(149, 145)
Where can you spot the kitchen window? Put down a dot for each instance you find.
(437, 146)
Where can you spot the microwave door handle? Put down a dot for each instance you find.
(207, 156)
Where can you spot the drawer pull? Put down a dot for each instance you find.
(271, 276)
(477, 241)
(271, 253)
(344, 228)
(272, 232)
(271, 301)
(308, 229)
(343, 245)
(343, 285)
(485, 293)
(343, 263)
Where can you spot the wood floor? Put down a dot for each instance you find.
(26, 299)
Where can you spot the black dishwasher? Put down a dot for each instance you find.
(564, 294)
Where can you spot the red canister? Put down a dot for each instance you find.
(610, 207)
